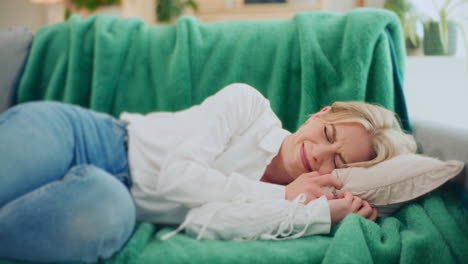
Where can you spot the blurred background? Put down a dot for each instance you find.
(435, 31)
(36, 13)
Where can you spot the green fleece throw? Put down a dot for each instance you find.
(111, 65)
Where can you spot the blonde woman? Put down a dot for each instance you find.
(224, 169)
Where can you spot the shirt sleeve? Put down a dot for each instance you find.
(251, 220)
(187, 175)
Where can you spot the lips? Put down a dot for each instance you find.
(305, 162)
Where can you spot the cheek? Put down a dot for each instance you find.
(325, 169)
(291, 158)
(290, 161)
(310, 132)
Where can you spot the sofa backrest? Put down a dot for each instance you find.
(445, 142)
(14, 47)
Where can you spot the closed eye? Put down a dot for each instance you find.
(325, 132)
(334, 162)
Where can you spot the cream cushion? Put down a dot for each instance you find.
(392, 183)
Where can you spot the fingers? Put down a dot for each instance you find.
(356, 204)
(319, 192)
(328, 179)
(307, 183)
(374, 215)
(366, 210)
(340, 195)
(348, 197)
(359, 206)
(328, 194)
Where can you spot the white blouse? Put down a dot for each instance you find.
(204, 165)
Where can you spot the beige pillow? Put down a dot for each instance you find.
(392, 183)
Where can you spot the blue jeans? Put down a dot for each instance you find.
(64, 182)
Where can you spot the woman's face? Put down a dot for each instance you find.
(322, 147)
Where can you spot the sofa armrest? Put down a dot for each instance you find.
(14, 48)
(443, 141)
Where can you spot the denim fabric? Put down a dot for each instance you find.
(64, 182)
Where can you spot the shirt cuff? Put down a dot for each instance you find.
(269, 191)
(320, 212)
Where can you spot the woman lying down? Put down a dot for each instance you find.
(225, 169)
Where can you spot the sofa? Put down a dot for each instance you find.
(390, 239)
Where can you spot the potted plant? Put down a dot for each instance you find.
(410, 21)
(168, 10)
(440, 33)
(85, 7)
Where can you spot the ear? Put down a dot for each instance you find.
(324, 110)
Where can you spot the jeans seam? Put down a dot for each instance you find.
(123, 172)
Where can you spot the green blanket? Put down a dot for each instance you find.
(301, 65)
(112, 65)
(431, 230)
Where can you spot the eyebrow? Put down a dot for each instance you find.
(334, 140)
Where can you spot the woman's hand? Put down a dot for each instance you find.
(310, 184)
(347, 204)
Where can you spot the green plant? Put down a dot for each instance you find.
(167, 10)
(445, 11)
(409, 20)
(90, 5)
(93, 4)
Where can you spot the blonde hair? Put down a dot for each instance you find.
(388, 139)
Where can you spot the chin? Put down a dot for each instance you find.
(294, 171)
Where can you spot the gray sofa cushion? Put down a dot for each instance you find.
(445, 142)
(14, 48)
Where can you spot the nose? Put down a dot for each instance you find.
(322, 152)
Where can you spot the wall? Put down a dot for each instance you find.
(346, 5)
(436, 89)
(143, 9)
(25, 13)
(21, 13)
